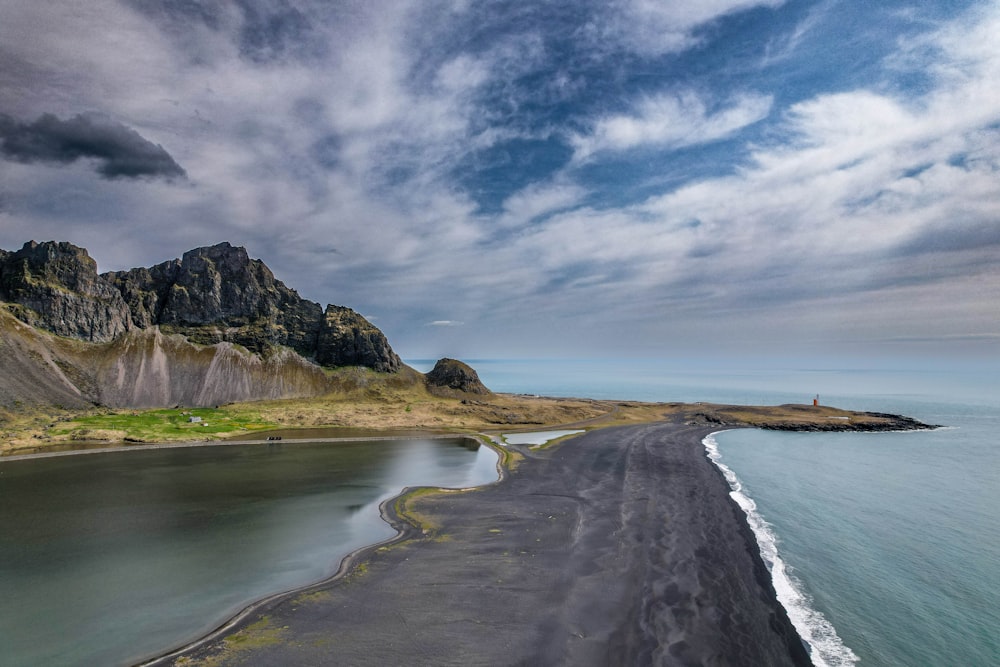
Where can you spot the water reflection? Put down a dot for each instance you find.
(105, 559)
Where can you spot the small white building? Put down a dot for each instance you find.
(194, 420)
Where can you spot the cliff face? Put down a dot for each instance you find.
(57, 288)
(211, 295)
(219, 294)
(211, 327)
(347, 339)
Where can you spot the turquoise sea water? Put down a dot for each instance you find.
(885, 545)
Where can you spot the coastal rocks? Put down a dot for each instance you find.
(348, 339)
(57, 288)
(456, 376)
(798, 417)
(879, 421)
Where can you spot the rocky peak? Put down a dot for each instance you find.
(217, 294)
(57, 286)
(348, 339)
(210, 295)
(455, 375)
(219, 284)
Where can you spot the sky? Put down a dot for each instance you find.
(621, 178)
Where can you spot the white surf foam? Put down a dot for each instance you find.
(827, 649)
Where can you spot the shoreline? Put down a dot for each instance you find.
(404, 528)
(581, 570)
(816, 632)
(228, 443)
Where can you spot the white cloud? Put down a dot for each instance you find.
(672, 120)
(868, 213)
(654, 27)
(539, 200)
(839, 210)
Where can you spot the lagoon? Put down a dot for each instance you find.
(110, 558)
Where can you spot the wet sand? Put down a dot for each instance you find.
(617, 547)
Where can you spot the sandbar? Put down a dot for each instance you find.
(619, 546)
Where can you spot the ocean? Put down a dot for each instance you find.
(884, 547)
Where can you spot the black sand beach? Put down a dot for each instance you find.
(618, 547)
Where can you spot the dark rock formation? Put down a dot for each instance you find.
(219, 294)
(886, 422)
(57, 288)
(211, 295)
(455, 375)
(348, 339)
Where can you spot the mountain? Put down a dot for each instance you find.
(211, 327)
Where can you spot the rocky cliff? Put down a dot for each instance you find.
(454, 376)
(219, 294)
(210, 327)
(56, 287)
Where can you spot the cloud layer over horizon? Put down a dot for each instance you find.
(519, 179)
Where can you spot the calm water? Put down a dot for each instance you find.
(887, 545)
(107, 558)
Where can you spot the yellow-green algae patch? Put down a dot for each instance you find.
(260, 634)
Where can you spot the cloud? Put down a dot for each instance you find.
(654, 27)
(120, 151)
(379, 129)
(861, 211)
(539, 200)
(671, 120)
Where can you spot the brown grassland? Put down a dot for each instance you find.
(381, 404)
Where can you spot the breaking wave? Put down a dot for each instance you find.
(825, 647)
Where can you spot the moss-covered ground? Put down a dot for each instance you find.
(163, 425)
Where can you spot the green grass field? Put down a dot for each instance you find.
(165, 425)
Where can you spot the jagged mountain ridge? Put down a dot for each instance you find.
(210, 295)
(211, 327)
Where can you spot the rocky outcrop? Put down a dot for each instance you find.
(348, 339)
(454, 375)
(55, 286)
(869, 422)
(798, 417)
(211, 295)
(218, 294)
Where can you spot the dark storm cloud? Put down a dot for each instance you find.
(119, 151)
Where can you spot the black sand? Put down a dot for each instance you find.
(619, 547)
